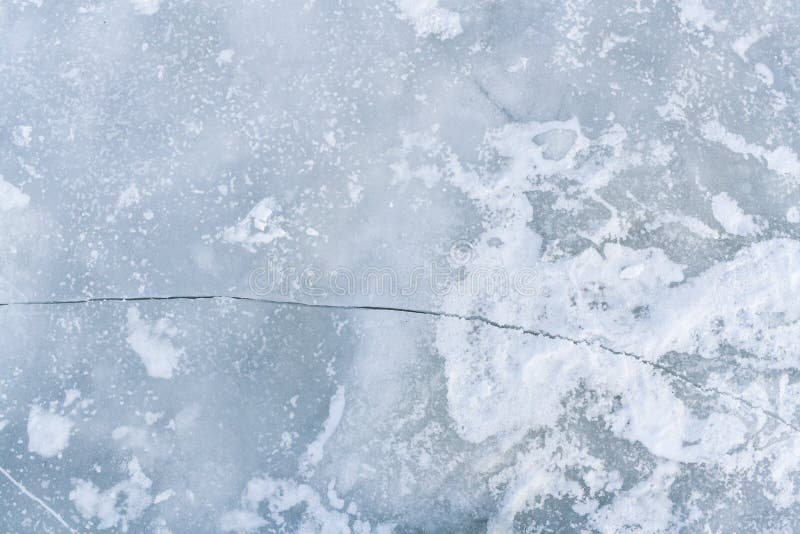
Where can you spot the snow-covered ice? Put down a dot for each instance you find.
(400, 266)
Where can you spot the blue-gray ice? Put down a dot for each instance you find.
(348, 266)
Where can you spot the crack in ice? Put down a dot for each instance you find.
(25, 491)
(708, 390)
(500, 108)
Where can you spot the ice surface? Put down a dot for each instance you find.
(399, 266)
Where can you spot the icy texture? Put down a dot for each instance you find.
(525, 266)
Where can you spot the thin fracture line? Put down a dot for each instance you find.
(37, 500)
(507, 114)
(708, 390)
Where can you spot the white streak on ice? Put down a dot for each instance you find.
(36, 499)
(316, 449)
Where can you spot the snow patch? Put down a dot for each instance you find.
(781, 159)
(732, 218)
(261, 226)
(764, 73)
(647, 505)
(694, 14)
(743, 43)
(117, 506)
(70, 396)
(693, 224)
(11, 197)
(430, 19)
(287, 498)
(316, 449)
(21, 135)
(48, 433)
(153, 344)
(354, 190)
(164, 496)
(241, 521)
(224, 57)
(146, 7)
(129, 197)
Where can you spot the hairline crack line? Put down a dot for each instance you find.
(708, 390)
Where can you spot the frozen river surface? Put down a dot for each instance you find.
(399, 266)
